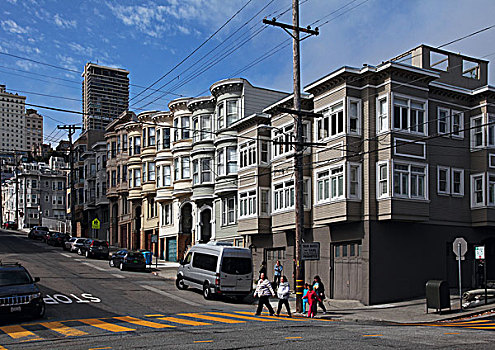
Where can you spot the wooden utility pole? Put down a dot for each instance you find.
(299, 144)
(71, 129)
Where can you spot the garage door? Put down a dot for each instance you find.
(171, 249)
(347, 271)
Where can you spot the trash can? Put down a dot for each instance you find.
(147, 255)
(437, 295)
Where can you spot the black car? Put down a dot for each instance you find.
(94, 248)
(58, 239)
(128, 260)
(38, 232)
(19, 294)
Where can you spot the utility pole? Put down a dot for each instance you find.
(17, 190)
(299, 183)
(71, 129)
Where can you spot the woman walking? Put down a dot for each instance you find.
(319, 288)
(263, 291)
(283, 293)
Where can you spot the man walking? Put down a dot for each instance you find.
(263, 291)
(277, 273)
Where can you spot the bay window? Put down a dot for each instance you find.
(332, 122)
(231, 160)
(151, 171)
(151, 137)
(220, 162)
(205, 170)
(410, 181)
(137, 177)
(167, 210)
(185, 168)
(228, 211)
(409, 115)
(145, 178)
(354, 116)
(184, 124)
(382, 176)
(166, 177)
(247, 203)
(382, 114)
(232, 112)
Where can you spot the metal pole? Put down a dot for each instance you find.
(486, 287)
(460, 275)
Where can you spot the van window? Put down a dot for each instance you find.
(236, 266)
(187, 260)
(205, 262)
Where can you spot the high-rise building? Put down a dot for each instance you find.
(34, 129)
(105, 94)
(12, 110)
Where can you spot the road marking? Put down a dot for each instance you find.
(183, 321)
(171, 296)
(117, 275)
(2, 348)
(452, 333)
(94, 267)
(66, 255)
(273, 317)
(243, 317)
(203, 341)
(106, 347)
(140, 322)
(154, 315)
(105, 325)
(480, 327)
(63, 329)
(293, 337)
(17, 332)
(211, 318)
(372, 335)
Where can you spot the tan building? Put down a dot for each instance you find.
(13, 121)
(34, 129)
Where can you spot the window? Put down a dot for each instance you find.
(158, 139)
(220, 115)
(382, 176)
(176, 169)
(118, 174)
(478, 194)
(118, 144)
(232, 112)
(151, 171)
(166, 175)
(458, 182)
(124, 143)
(144, 137)
(137, 177)
(443, 174)
(477, 136)
(450, 122)
(332, 122)
(205, 170)
(265, 202)
(247, 204)
(131, 182)
(354, 114)
(220, 162)
(410, 181)
(228, 211)
(354, 183)
(145, 178)
(151, 207)
(114, 178)
(247, 154)
(231, 160)
(382, 114)
(439, 61)
(491, 130)
(205, 261)
(264, 156)
(185, 127)
(124, 173)
(322, 185)
(165, 138)
(443, 120)
(137, 145)
(491, 189)
(282, 139)
(176, 129)
(151, 137)
(167, 214)
(205, 124)
(195, 165)
(409, 115)
(470, 69)
(185, 168)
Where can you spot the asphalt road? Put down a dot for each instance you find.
(93, 306)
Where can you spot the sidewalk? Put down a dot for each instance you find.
(411, 311)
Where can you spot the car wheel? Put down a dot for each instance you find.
(79, 251)
(206, 291)
(179, 283)
(40, 311)
(87, 254)
(111, 263)
(122, 267)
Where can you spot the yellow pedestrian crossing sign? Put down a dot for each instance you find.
(95, 224)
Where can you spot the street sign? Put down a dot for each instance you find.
(154, 238)
(95, 224)
(462, 251)
(310, 251)
(479, 252)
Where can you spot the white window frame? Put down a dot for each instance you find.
(474, 178)
(359, 181)
(262, 202)
(247, 204)
(490, 189)
(447, 179)
(410, 100)
(409, 179)
(226, 210)
(460, 126)
(167, 215)
(166, 176)
(247, 154)
(328, 181)
(461, 187)
(474, 132)
(329, 112)
(351, 100)
(262, 144)
(382, 117)
(491, 160)
(386, 180)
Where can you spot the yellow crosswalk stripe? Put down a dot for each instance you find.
(140, 322)
(105, 325)
(2, 347)
(272, 317)
(480, 327)
(59, 327)
(243, 317)
(183, 321)
(17, 332)
(211, 318)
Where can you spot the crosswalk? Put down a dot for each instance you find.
(485, 324)
(46, 330)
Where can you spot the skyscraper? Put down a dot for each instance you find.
(105, 94)
(12, 130)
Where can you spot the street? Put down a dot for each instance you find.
(93, 306)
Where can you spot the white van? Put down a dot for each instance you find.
(217, 268)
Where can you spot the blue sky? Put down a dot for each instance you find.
(148, 38)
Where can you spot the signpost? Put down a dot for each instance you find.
(310, 251)
(460, 248)
(154, 239)
(479, 254)
(95, 225)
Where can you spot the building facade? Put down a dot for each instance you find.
(105, 95)
(34, 130)
(13, 124)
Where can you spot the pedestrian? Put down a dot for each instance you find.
(262, 268)
(283, 293)
(263, 291)
(319, 288)
(312, 298)
(305, 304)
(277, 273)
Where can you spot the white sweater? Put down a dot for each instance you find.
(264, 288)
(283, 290)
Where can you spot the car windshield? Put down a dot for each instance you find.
(236, 266)
(98, 243)
(14, 277)
(138, 256)
(80, 240)
(42, 228)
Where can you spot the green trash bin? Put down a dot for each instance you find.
(437, 295)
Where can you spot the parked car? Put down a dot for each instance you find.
(128, 260)
(19, 294)
(217, 269)
(10, 225)
(58, 239)
(38, 232)
(94, 248)
(73, 244)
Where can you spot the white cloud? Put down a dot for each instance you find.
(64, 23)
(25, 65)
(12, 1)
(12, 27)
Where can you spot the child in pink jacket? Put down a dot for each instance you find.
(312, 298)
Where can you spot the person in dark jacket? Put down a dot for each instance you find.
(263, 291)
(319, 288)
(262, 268)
